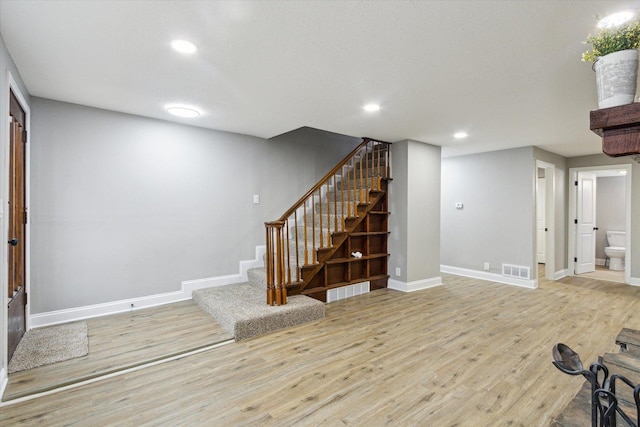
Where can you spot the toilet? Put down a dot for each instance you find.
(616, 250)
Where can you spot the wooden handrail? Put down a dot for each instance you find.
(328, 175)
(354, 184)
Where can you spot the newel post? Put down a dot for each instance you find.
(274, 263)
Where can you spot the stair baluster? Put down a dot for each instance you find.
(357, 184)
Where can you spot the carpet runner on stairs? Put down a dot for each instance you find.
(242, 310)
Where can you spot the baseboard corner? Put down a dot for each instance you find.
(560, 274)
(634, 281)
(416, 285)
(4, 380)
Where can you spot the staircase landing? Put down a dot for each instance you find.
(241, 310)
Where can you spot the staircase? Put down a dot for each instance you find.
(336, 234)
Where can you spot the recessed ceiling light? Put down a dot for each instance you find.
(183, 46)
(622, 172)
(615, 19)
(460, 135)
(183, 111)
(371, 108)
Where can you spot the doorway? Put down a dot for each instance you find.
(545, 218)
(599, 204)
(17, 221)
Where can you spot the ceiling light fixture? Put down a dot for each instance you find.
(184, 46)
(183, 111)
(615, 19)
(622, 172)
(460, 135)
(371, 108)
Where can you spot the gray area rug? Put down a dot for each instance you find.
(242, 309)
(50, 345)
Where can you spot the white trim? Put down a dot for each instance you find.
(600, 261)
(491, 277)
(416, 285)
(634, 281)
(560, 274)
(185, 292)
(4, 380)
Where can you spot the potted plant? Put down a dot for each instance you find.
(614, 52)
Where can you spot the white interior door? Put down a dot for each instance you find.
(540, 220)
(586, 215)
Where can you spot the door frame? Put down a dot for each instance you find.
(12, 85)
(549, 218)
(573, 201)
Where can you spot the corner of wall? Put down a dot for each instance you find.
(416, 285)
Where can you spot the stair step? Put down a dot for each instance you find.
(335, 208)
(365, 183)
(257, 276)
(367, 172)
(349, 195)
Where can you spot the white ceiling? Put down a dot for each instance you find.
(507, 72)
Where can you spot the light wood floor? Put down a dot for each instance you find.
(469, 353)
(123, 341)
(603, 273)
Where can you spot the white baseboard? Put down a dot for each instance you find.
(560, 274)
(634, 281)
(492, 277)
(4, 380)
(416, 285)
(600, 261)
(186, 290)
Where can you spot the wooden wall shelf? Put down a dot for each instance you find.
(619, 128)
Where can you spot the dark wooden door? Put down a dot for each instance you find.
(16, 246)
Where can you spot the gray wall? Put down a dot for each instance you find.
(603, 160)
(497, 222)
(125, 206)
(414, 202)
(561, 194)
(610, 209)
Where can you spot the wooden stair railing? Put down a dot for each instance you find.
(314, 230)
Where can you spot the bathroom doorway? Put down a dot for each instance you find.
(600, 222)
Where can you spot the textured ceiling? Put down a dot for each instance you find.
(506, 72)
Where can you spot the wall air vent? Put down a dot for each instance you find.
(517, 271)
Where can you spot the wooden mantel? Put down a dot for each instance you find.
(619, 128)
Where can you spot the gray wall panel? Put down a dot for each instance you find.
(498, 216)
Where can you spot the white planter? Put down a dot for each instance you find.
(616, 77)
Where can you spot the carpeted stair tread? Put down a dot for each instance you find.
(242, 310)
(258, 277)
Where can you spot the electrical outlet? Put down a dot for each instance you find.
(486, 266)
(256, 199)
(398, 272)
